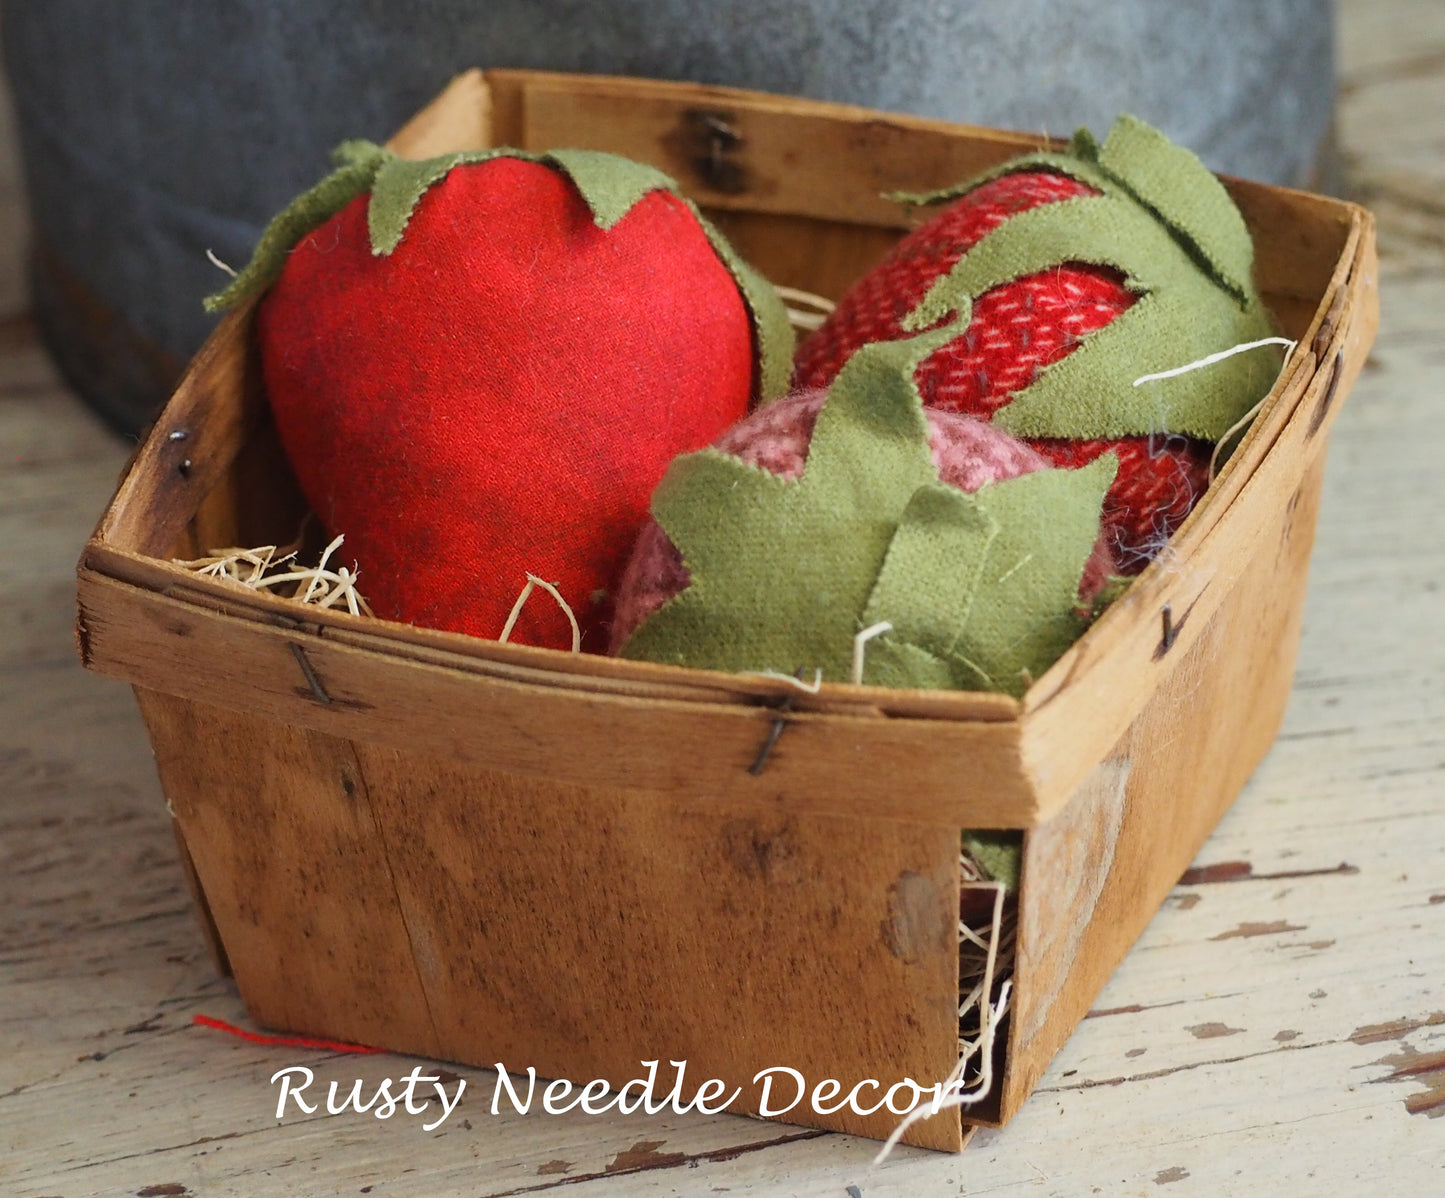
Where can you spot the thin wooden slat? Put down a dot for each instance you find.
(1094, 875)
(1080, 708)
(460, 118)
(623, 927)
(287, 851)
(191, 445)
(924, 771)
(731, 149)
(603, 675)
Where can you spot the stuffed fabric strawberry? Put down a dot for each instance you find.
(1066, 277)
(481, 365)
(854, 513)
(967, 453)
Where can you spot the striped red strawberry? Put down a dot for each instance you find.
(1032, 319)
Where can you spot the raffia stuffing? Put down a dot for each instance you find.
(265, 568)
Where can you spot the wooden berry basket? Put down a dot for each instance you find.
(485, 852)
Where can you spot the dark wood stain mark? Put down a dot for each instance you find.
(170, 1189)
(318, 691)
(1170, 628)
(1173, 1173)
(1136, 1052)
(1334, 385)
(1131, 1009)
(1240, 871)
(708, 140)
(767, 854)
(1212, 1031)
(1284, 1037)
(1436, 899)
(1273, 928)
(912, 929)
(549, 1168)
(1186, 902)
(1320, 945)
(644, 1155)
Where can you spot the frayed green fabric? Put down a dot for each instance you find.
(980, 590)
(1182, 192)
(359, 162)
(397, 190)
(1167, 224)
(610, 185)
(990, 589)
(774, 331)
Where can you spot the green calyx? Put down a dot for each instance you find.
(1168, 226)
(981, 590)
(609, 184)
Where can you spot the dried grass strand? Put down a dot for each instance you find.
(813, 309)
(532, 583)
(257, 570)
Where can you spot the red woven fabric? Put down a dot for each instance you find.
(1016, 330)
(502, 393)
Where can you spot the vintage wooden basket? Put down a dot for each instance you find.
(484, 852)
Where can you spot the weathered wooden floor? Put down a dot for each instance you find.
(1279, 1029)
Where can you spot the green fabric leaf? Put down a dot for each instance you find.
(1181, 190)
(1090, 392)
(610, 185)
(773, 329)
(980, 590)
(781, 570)
(992, 587)
(310, 210)
(1169, 227)
(398, 187)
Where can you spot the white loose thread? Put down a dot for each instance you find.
(811, 688)
(1213, 358)
(860, 645)
(211, 256)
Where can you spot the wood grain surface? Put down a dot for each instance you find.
(1278, 1028)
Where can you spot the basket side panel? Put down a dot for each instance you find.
(1094, 875)
(282, 837)
(583, 931)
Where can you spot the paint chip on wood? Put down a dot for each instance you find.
(548, 1168)
(644, 1155)
(1173, 1173)
(1212, 1031)
(1272, 928)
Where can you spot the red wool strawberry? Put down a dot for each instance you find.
(1031, 319)
(481, 366)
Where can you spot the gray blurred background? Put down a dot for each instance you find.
(152, 131)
